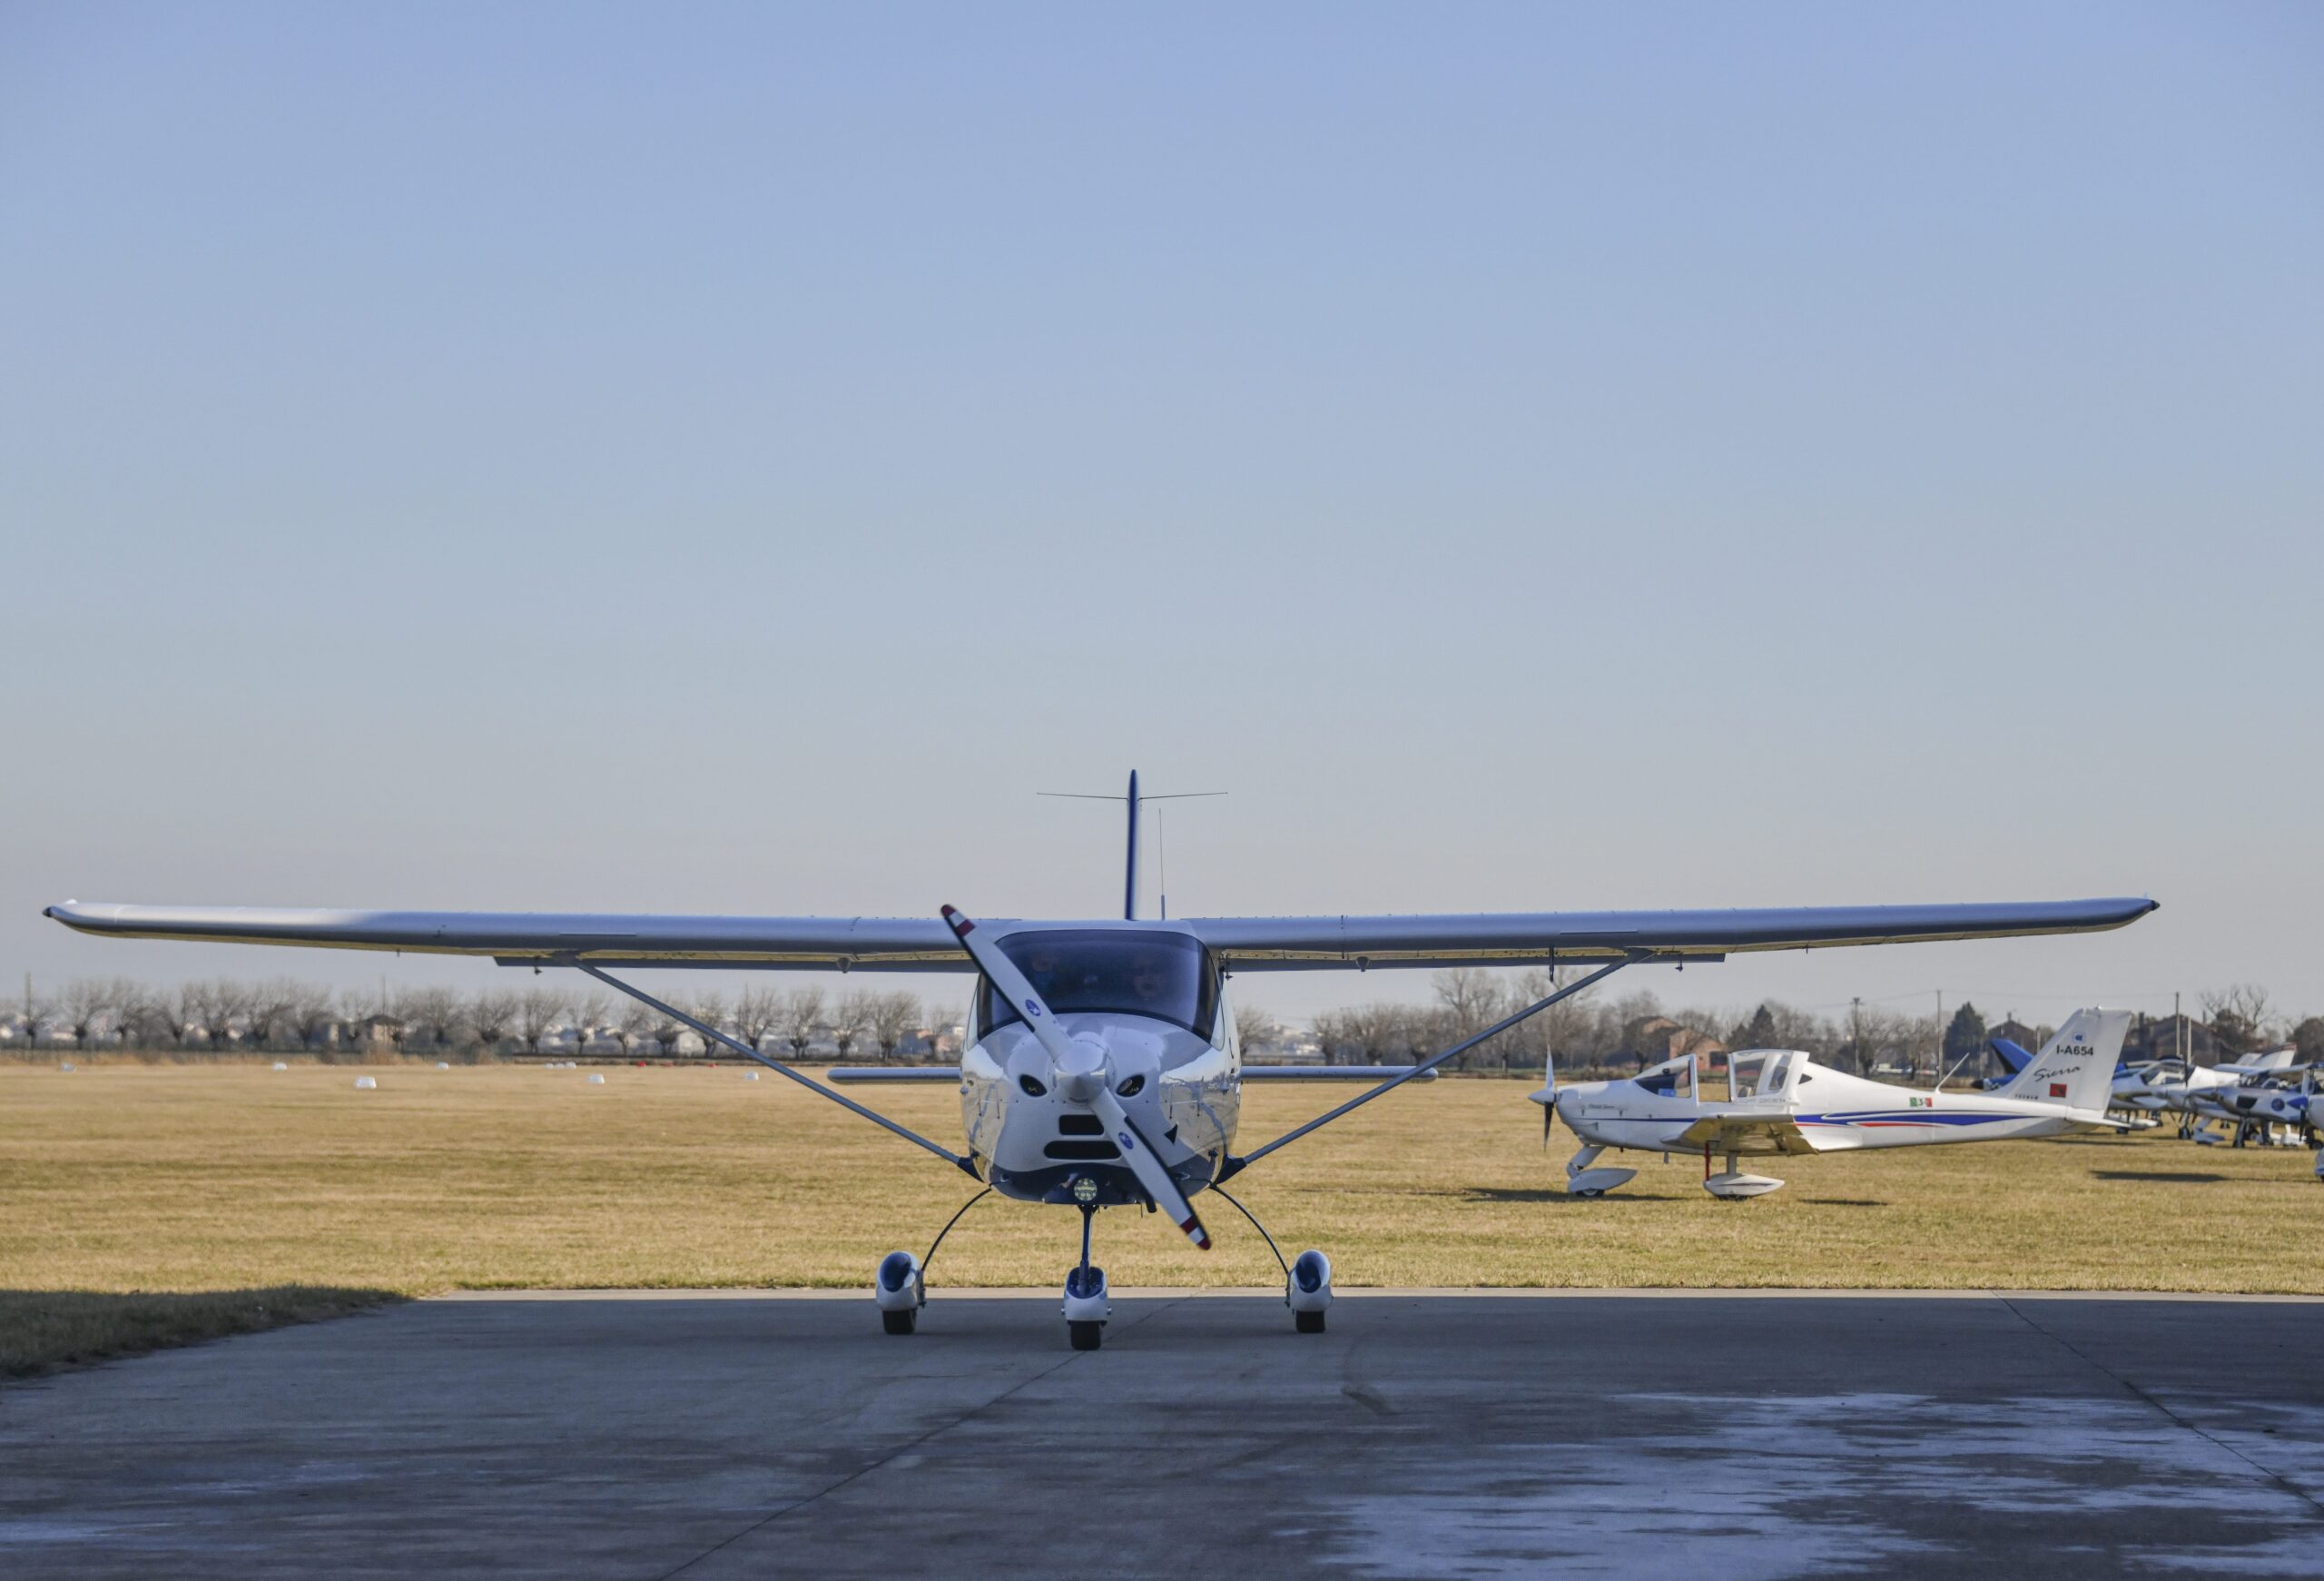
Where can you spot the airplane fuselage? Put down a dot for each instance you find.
(1834, 1110)
(1155, 1003)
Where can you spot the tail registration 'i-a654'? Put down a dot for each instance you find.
(1102, 1070)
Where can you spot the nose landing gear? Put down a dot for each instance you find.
(1583, 1179)
(1086, 1307)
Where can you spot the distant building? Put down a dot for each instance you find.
(1656, 1038)
(378, 1033)
(2017, 1032)
(2165, 1037)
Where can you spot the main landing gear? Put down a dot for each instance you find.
(1306, 1279)
(901, 1287)
(900, 1292)
(1733, 1186)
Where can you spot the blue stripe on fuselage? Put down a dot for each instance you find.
(1903, 1117)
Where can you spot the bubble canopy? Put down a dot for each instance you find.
(1168, 976)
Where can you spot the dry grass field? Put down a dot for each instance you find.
(287, 1194)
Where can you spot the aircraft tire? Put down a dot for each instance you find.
(1086, 1336)
(898, 1322)
(1307, 1322)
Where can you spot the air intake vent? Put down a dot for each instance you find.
(1080, 1125)
(1083, 1151)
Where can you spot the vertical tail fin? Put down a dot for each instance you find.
(1129, 873)
(2075, 1069)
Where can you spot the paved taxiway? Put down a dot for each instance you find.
(1425, 1435)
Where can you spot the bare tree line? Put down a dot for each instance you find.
(1592, 1033)
(1589, 1031)
(284, 1015)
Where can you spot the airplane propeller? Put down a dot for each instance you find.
(1082, 1075)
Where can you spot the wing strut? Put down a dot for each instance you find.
(1235, 1166)
(715, 1035)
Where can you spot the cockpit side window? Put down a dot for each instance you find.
(1167, 976)
(1744, 1074)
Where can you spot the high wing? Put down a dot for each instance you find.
(1280, 943)
(1731, 1133)
(525, 938)
(1243, 944)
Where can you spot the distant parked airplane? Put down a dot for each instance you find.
(1782, 1101)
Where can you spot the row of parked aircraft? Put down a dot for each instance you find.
(1102, 1070)
(2262, 1099)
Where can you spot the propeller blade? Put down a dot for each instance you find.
(1149, 1169)
(1013, 984)
(1152, 1175)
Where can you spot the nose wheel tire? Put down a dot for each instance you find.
(898, 1322)
(1086, 1336)
(1307, 1322)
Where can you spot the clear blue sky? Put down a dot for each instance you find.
(1535, 456)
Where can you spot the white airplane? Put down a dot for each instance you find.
(1101, 1068)
(1782, 1101)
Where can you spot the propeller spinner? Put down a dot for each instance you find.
(1082, 1075)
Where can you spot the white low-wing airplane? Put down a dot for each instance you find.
(1781, 1101)
(1101, 1067)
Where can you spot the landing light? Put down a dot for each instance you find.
(1085, 1190)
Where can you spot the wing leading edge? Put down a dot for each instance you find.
(522, 938)
(1244, 943)
(1291, 944)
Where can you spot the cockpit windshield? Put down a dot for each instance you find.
(1164, 975)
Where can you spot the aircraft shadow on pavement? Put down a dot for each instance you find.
(2183, 1177)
